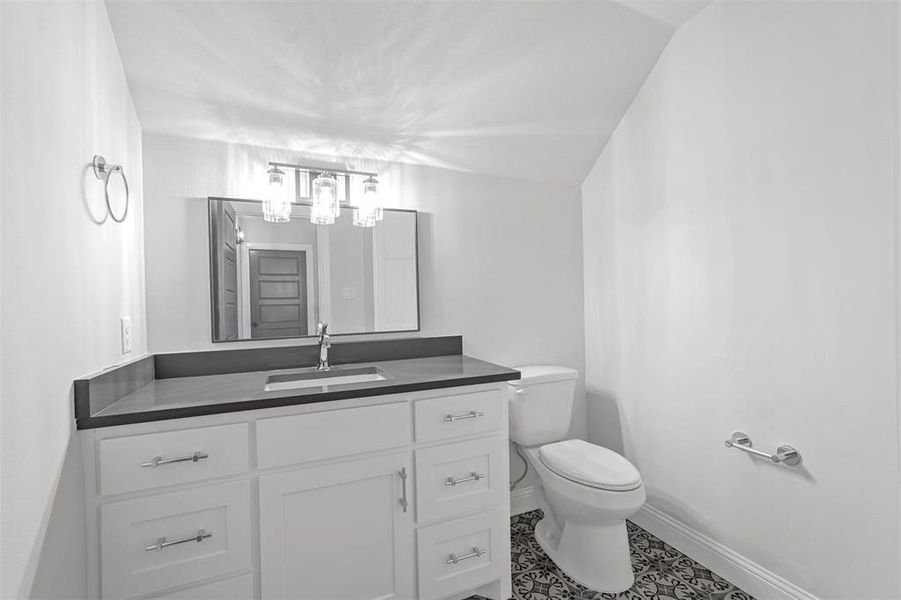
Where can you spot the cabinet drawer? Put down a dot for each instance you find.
(236, 588)
(150, 544)
(127, 463)
(454, 416)
(463, 553)
(315, 436)
(456, 478)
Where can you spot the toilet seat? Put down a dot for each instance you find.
(590, 465)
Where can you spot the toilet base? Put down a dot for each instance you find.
(595, 556)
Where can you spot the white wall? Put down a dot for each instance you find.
(739, 274)
(65, 279)
(500, 259)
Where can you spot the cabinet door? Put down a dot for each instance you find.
(339, 531)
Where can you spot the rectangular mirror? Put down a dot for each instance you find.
(279, 280)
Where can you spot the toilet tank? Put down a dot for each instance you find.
(541, 404)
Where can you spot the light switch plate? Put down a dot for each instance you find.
(125, 326)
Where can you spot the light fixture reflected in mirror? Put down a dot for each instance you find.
(326, 206)
(276, 206)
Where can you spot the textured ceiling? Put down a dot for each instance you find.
(520, 89)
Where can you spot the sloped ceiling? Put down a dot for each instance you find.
(519, 89)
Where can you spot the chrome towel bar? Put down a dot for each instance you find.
(784, 453)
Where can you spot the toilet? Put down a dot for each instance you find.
(586, 491)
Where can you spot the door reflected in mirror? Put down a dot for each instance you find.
(279, 280)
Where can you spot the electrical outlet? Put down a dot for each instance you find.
(125, 325)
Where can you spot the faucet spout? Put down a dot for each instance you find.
(324, 344)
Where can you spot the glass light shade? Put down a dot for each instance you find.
(326, 206)
(368, 210)
(370, 187)
(364, 219)
(276, 206)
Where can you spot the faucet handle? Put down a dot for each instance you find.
(323, 329)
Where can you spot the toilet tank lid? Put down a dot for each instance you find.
(530, 375)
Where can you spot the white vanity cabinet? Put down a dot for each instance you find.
(338, 531)
(397, 497)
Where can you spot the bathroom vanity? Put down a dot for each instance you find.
(204, 485)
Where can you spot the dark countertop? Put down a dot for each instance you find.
(181, 397)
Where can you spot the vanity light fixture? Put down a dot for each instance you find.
(276, 206)
(324, 197)
(326, 206)
(368, 210)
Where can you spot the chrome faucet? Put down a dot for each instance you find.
(324, 344)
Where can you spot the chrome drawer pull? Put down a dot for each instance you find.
(454, 559)
(473, 414)
(403, 478)
(473, 476)
(159, 460)
(161, 543)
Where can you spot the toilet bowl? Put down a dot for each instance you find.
(585, 491)
(584, 526)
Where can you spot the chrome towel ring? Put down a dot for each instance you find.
(103, 171)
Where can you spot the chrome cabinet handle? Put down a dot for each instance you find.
(403, 479)
(161, 543)
(473, 476)
(159, 460)
(453, 559)
(473, 414)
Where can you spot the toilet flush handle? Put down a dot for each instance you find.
(521, 391)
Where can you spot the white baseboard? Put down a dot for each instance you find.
(522, 500)
(746, 574)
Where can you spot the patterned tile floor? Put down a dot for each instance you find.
(661, 571)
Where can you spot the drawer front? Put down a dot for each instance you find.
(462, 554)
(328, 434)
(454, 416)
(138, 555)
(456, 478)
(236, 588)
(127, 463)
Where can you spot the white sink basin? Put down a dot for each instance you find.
(294, 381)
